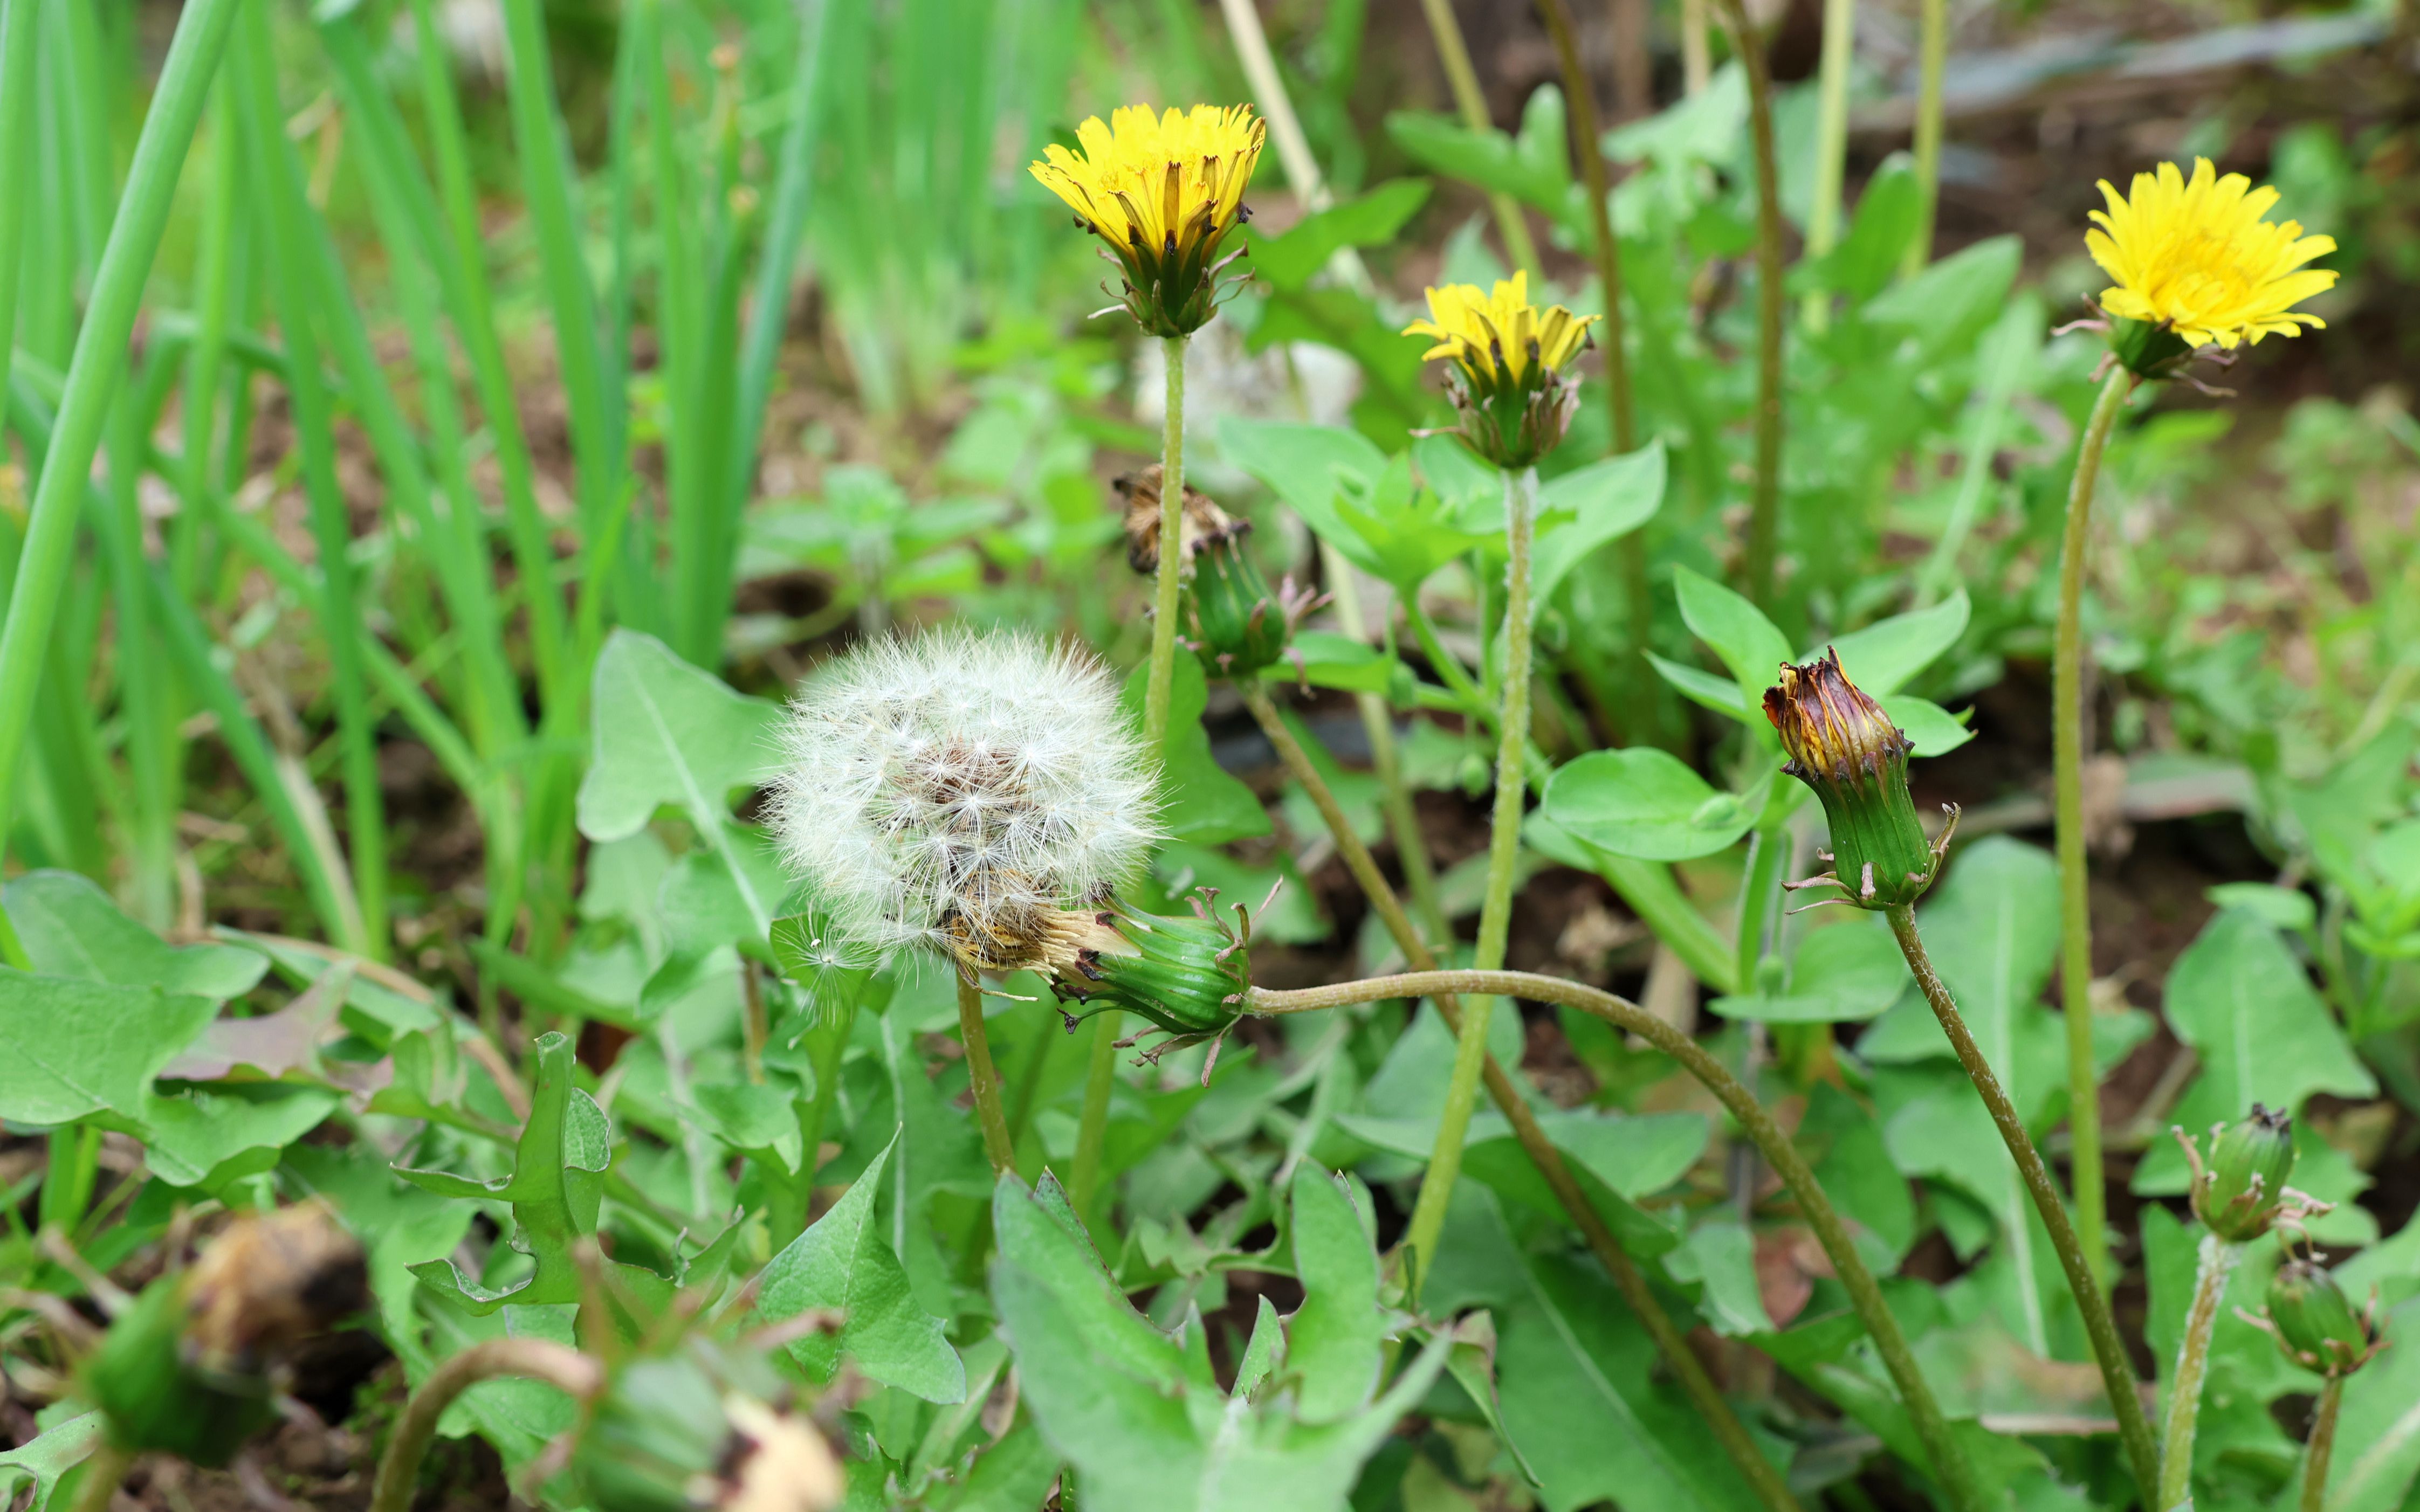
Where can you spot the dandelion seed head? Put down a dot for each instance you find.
(948, 791)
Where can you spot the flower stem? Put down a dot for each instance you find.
(1472, 103)
(1171, 551)
(2218, 1258)
(105, 1468)
(1831, 145)
(1753, 1467)
(2116, 1375)
(1932, 54)
(1768, 853)
(983, 1077)
(1093, 1131)
(2067, 780)
(1948, 1461)
(1697, 53)
(2322, 1447)
(1496, 912)
(558, 1365)
(1764, 513)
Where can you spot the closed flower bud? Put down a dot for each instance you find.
(671, 1436)
(1844, 746)
(192, 1366)
(2314, 1322)
(2241, 1192)
(1234, 624)
(1186, 976)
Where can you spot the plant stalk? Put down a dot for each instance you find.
(1496, 911)
(2218, 1257)
(1707, 1400)
(1171, 551)
(2067, 781)
(1697, 53)
(2117, 1374)
(105, 1468)
(2323, 1448)
(1472, 104)
(1948, 1461)
(1831, 144)
(1093, 1131)
(557, 1364)
(1932, 60)
(983, 1077)
(1765, 514)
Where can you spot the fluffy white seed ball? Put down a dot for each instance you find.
(949, 791)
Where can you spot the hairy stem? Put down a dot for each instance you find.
(1472, 104)
(1764, 515)
(2067, 780)
(983, 1077)
(2322, 1447)
(2117, 1374)
(1496, 911)
(1093, 1133)
(1703, 1394)
(1949, 1461)
(1171, 550)
(1932, 54)
(2218, 1258)
(558, 1365)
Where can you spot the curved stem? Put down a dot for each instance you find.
(2218, 1259)
(105, 1468)
(1472, 104)
(558, 1365)
(1949, 1461)
(2322, 1447)
(2117, 1374)
(1765, 505)
(1703, 1394)
(1932, 54)
(1496, 911)
(1171, 550)
(2067, 781)
(983, 1077)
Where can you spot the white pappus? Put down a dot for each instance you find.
(953, 791)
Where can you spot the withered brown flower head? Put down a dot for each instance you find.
(268, 1282)
(1830, 728)
(1204, 523)
(1844, 746)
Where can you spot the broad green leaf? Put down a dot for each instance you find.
(1645, 803)
(1750, 646)
(1205, 804)
(1335, 1340)
(1844, 1144)
(1931, 728)
(70, 928)
(2378, 1429)
(1290, 259)
(1720, 694)
(666, 734)
(1263, 1350)
(1406, 534)
(1719, 1256)
(1332, 660)
(843, 1262)
(210, 1135)
(1943, 306)
(1607, 499)
(1881, 658)
(2242, 1000)
(43, 1460)
(1309, 467)
(1839, 974)
(75, 1048)
(1535, 167)
(1865, 260)
(760, 1119)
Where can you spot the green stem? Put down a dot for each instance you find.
(107, 1465)
(94, 371)
(1093, 1130)
(1752, 1465)
(1171, 553)
(983, 1077)
(1768, 853)
(1403, 819)
(2117, 1374)
(1697, 52)
(2218, 1258)
(1865, 1296)
(2322, 1447)
(1765, 505)
(1933, 53)
(1496, 911)
(1831, 144)
(565, 1368)
(2067, 781)
(19, 41)
(1472, 103)
(1448, 667)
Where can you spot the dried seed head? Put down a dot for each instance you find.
(1203, 521)
(951, 791)
(269, 1282)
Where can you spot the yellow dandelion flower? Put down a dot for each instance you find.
(1508, 356)
(2195, 257)
(1162, 191)
(1483, 334)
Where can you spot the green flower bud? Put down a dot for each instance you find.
(2242, 1192)
(1842, 744)
(1233, 623)
(671, 1435)
(2147, 351)
(1186, 976)
(2314, 1321)
(192, 1366)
